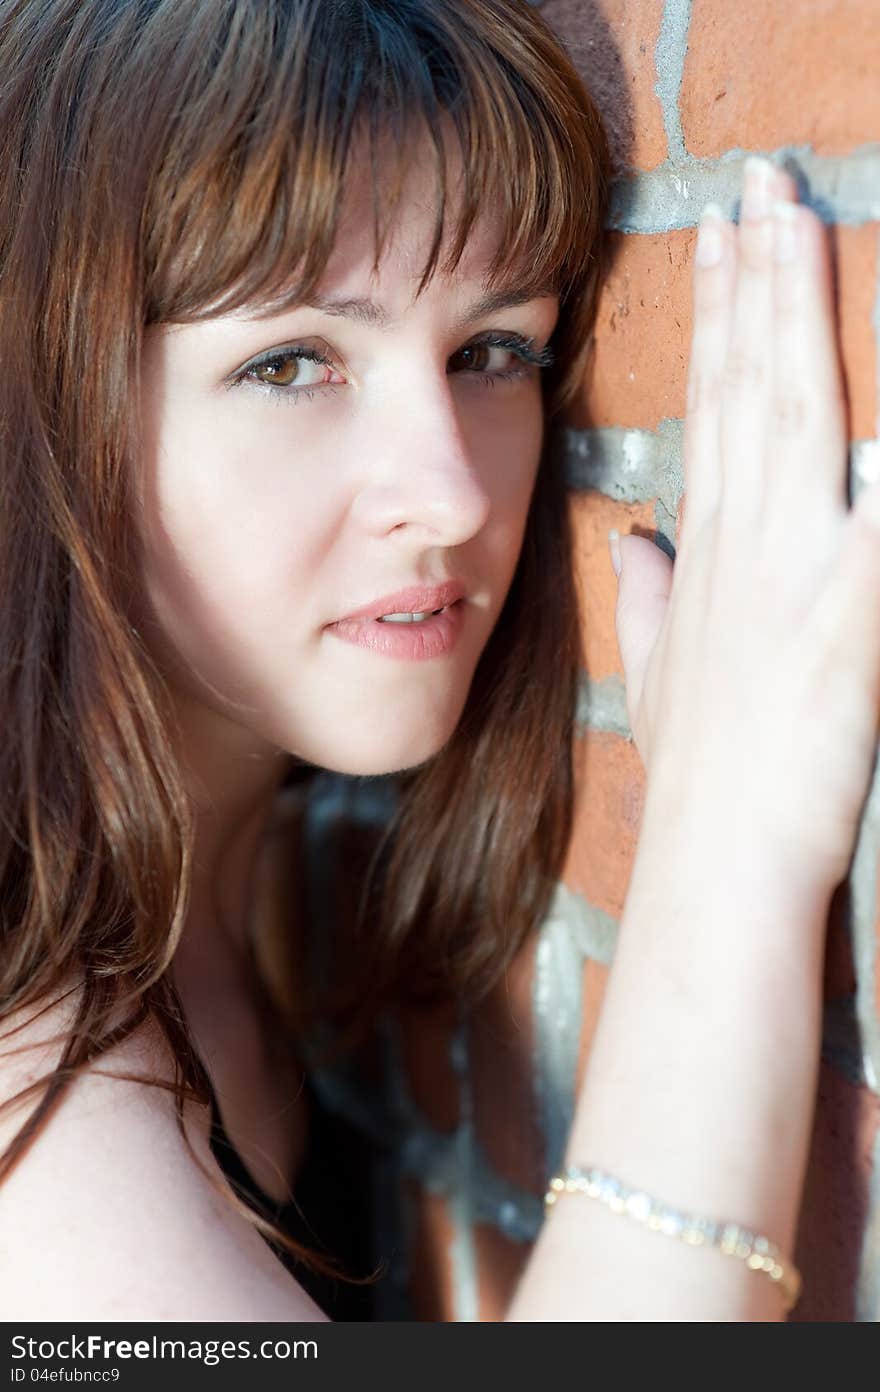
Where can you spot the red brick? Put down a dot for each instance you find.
(638, 372)
(856, 251)
(426, 1035)
(500, 1263)
(611, 43)
(761, 74)
(502, 1049)
(592, 516)
(835, 1203)
(610, 779)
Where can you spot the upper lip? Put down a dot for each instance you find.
(416, 599)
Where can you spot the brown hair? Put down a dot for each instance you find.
(162, 161)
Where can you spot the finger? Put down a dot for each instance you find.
(808, 427)
(784, 187)
(713, 290)
(644, 586)
(713, 286)
(747, 371)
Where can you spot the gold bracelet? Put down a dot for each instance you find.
(758, 1252)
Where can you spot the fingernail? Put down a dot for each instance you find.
(614, 547)
(757, 177)
(785, 231)
(709, 243)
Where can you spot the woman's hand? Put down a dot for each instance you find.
(753, 676)
(753, 666)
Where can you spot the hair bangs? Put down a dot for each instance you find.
(247, 196)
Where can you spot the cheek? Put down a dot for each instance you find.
(507, 441)
(228, 525)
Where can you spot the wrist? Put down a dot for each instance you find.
(716, 860)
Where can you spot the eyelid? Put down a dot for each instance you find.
(318, 351)
(303, 348)
(501, 338)
(304, 345)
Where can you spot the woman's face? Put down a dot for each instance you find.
(280, 494)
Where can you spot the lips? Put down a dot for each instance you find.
(417, 599)
(430, 639)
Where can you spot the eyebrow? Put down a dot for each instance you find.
(376, 315)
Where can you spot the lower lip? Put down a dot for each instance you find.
(415, 642)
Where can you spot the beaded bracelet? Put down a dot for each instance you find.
(758, 1252)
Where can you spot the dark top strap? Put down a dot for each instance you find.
(330, 1213)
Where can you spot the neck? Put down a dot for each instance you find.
(233, 780)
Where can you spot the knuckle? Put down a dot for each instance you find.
(789, 298)
(711, 294)
(703, 392)
(744, 372)
(755, 246)
(789, 413)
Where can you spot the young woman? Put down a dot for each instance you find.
(386, 214)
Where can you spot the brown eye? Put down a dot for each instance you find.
(291, 370)
(279, 372)
(472, 358)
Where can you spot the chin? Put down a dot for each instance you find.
(360, 753)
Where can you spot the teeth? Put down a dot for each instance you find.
(408, 618)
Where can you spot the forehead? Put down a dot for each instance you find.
(412, 228)
(392, 232)
(350, 270)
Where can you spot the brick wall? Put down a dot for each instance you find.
(689, 88)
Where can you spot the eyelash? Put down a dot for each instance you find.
(522, 347)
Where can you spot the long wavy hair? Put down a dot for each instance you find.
(163, 161)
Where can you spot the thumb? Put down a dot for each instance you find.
(643, 585)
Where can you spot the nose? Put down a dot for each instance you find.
(420, 476)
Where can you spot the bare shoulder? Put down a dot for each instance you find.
(107, 1215)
